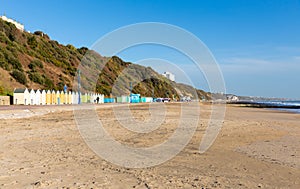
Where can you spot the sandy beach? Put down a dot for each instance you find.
(41, 147)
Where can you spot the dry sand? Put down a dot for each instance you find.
(256, 148)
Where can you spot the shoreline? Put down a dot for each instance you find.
(19, 111)
(264, 105)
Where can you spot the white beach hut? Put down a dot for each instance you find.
(43, 97)
(32, 100)
(75, 97)
(37, 99)
(58, 101)
(92, 97)
(101, 98)
(21, 96)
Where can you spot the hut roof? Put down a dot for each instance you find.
(19, 90)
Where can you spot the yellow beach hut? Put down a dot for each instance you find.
(48, 97)
(62, 97)
(53, 97)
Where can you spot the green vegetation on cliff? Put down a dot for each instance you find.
(34, 60)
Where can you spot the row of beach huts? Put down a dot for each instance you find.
(52, 97)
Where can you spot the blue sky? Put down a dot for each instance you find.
(255, 42)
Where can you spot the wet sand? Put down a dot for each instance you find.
(256, 148)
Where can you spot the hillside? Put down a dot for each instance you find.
(33, 60)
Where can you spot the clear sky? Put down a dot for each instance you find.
(255, 42)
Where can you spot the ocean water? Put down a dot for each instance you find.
(291, 106)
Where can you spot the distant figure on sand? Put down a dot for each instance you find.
(97, 99)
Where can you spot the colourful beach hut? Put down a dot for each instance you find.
(123, 99)
(135, 98)
(88, 100)
(66, 98)
(62, 97)
(53, 97)
(84, 98)
(146, 99)
(70, 98)
(48, 97)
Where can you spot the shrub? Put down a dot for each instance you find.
(32, 42)
(36, 77)
(11, 37)
(3, 61)
(35, 63)
(19, 76)
(71, 47)
(48, 83)
(3, 37)
(15, 63)
(1, 90)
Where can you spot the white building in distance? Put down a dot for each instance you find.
(169, 75)
(17, 24)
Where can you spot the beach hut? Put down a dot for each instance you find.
(4, 100)
(101, 98)
(146, 99)
(32, 97)
(84, 98)
(37, 97)
(92, 98)
(66, 100)
(62, 97)
(43, 97)
(75, 97)
(48, 97)
(109, 100)
(88, 98)
(123, 99)
(53, 97)
(21, 96)
(70, 96)
(135, 98)
(58, 97)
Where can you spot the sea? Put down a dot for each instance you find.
(289, 105)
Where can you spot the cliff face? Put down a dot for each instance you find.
(33, 60)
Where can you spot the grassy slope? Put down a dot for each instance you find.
(36, 61)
